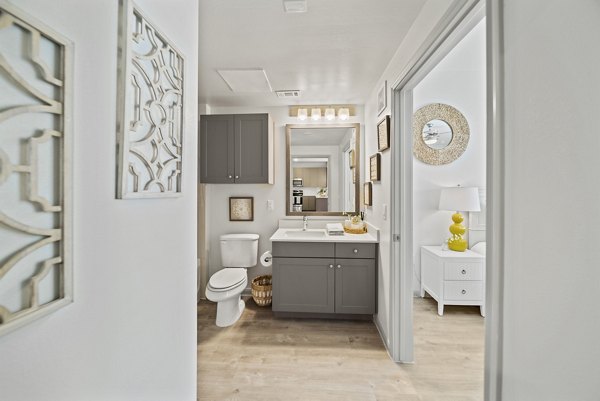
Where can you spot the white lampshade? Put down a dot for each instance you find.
(343, 113)
(460, 199)
(315, 114)
(329, 114)
(302, 114)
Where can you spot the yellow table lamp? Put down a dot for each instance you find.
(459, 199)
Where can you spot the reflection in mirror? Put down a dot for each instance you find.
(321, 162)
(437, 134)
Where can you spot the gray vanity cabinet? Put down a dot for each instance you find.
(236, 148)
(304, 285)
(331, 278)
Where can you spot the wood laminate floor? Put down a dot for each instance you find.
(261, 358)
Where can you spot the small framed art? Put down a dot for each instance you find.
(383, 134)
(382, 98)
(375, 167)
(241, 208)
(351, 158)
(368, 194)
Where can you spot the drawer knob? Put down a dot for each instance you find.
(229, 176)
(463, 271)
(339, 266)
(237, 176)
(331, 266)
(464, 292)
(355, 250)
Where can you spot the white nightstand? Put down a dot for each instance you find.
(453, 278)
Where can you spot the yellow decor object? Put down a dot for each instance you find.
(457, 242)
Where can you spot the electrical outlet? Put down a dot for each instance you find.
(270, 204)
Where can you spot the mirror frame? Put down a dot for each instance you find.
(288, 141)
(460, 134)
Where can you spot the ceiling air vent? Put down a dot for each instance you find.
(288, 93)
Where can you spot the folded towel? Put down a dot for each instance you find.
(335, 229)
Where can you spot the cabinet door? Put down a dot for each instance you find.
(355, 286)
(216, 149)
(303, 285)
(251, 148)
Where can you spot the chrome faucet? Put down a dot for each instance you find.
(304, 223)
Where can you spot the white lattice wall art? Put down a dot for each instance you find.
(149, 109)
(35, 136)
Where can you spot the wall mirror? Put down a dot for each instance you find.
(440, 134)
(322, 169)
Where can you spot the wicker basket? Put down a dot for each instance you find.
(355, 230)
(262, 290)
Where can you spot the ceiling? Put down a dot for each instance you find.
(334, 53)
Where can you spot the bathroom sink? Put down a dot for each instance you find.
(305, 234)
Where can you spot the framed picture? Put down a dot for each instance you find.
(368, 194)
(382, 98)
(375, 167)
(351, 158)
(241, 208)
(383, 134)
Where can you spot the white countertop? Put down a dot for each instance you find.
(316, 232)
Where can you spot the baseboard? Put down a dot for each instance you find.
(383, 337)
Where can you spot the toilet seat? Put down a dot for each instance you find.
(226, 279)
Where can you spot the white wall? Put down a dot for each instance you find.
(551, 215)
(459, 81)
(265, 222)
(429, 16)
(131, 332)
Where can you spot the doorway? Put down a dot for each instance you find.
(446, 38)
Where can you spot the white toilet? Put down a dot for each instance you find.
(238, 251)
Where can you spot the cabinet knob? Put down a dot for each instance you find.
(464, 292)
(229, 176)
(237, 176)
(331, 266)
(463, 271)
(339, 266)
(355, 250)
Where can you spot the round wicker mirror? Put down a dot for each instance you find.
(425, 134)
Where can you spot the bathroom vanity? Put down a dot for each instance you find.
(317, 275)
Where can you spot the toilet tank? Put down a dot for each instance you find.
(239, 250)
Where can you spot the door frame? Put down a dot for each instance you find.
(461, 17)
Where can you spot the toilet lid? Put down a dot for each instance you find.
(228, 277)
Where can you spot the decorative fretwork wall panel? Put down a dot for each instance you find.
(35, 82)
(150, 109)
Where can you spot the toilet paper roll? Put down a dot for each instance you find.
(266, 259)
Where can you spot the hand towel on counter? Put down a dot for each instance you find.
(335, 229)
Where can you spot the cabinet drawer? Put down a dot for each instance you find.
(359, 251)
(463, 290)
(463, 271)
(302, 250)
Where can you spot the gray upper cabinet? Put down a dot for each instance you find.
(236, 148)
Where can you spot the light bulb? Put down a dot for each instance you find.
(302, 114)
(329, 114)
(315, 114)
(343, 113)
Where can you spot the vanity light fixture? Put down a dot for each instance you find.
(302, 114)
(343, 113)
(330, 114)
(315, 114)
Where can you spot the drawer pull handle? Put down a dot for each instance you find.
(339, 266)
(331, 266)
(464, 292)
(355, 250)
(463, 271)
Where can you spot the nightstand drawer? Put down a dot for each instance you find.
(463, 290)
(463, 271)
